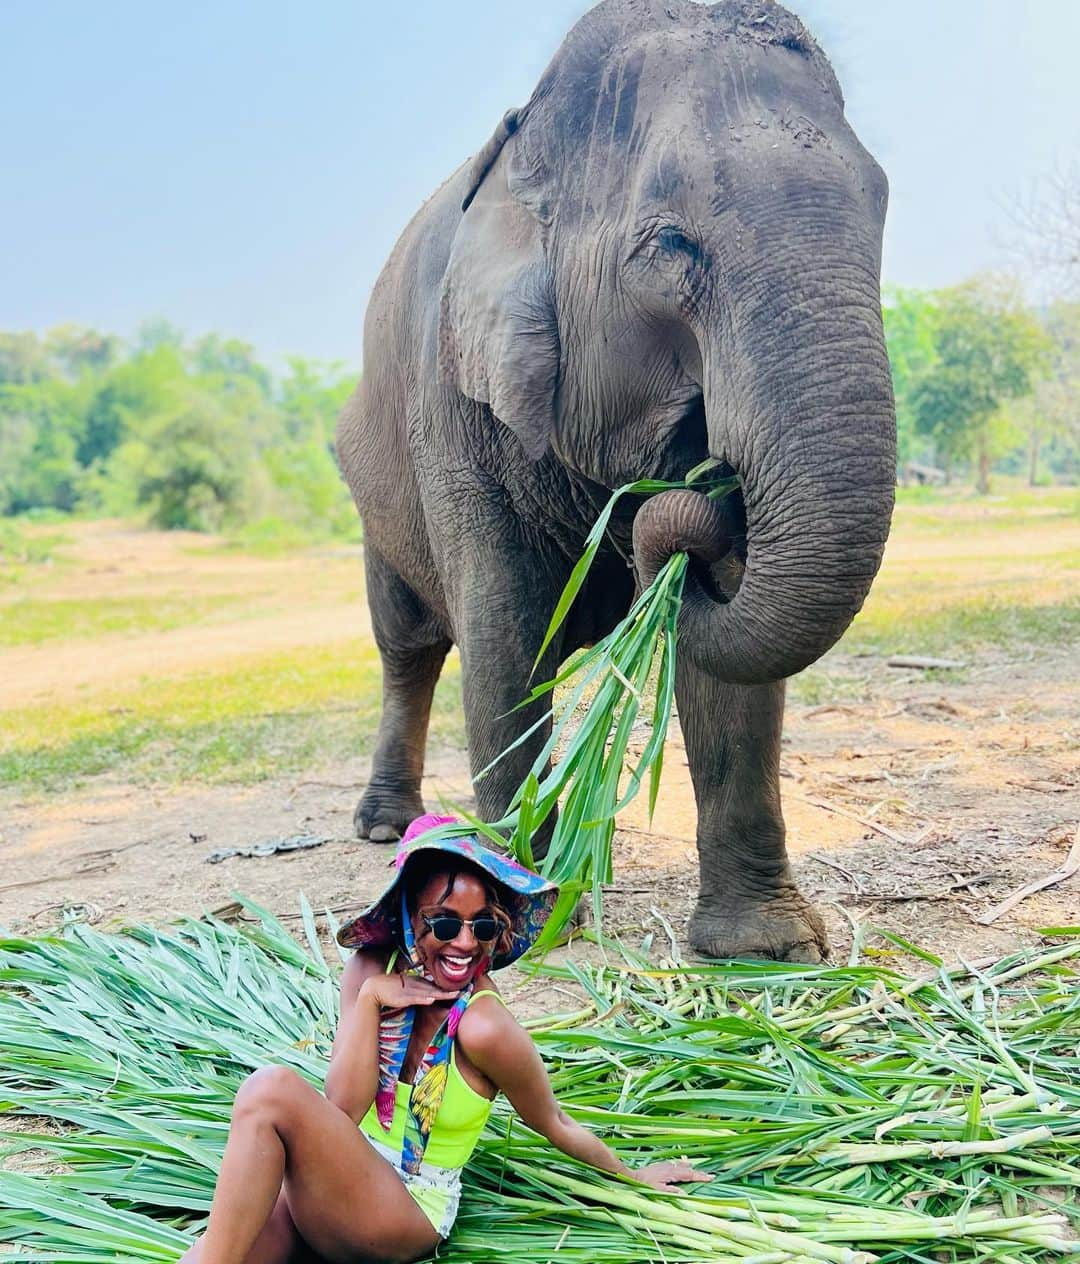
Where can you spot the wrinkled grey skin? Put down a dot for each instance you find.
(671, 252)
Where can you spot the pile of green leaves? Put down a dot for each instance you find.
(846, 1114)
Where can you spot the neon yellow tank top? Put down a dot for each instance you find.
(456, 1129)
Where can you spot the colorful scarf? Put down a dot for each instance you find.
(429, 1083)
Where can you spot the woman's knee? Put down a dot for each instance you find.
(270, 1091)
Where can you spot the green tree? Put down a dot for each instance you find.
(39, 425)
(157, 332)
(22, 359)
(309, 489)
(988, 349)
(139, 388)
(304, 471)
(74, 350)
(312, 395)
(910, 317)
(228, 361)
(190, 463)
(1051, 414)
(198, 435)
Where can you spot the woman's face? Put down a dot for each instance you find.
(455, 963)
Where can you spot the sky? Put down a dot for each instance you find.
(246, 165)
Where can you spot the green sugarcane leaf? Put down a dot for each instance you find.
(645, 486)
(569, 895)
(908, 946)
(311, 931)
(710, 463)
(519, 741)
(469, 823)
(521, 844)
(573, 586)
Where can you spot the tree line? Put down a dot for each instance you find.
(185, 433)
(983, 380)
(201, 434)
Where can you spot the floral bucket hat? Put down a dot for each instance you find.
(527, 897)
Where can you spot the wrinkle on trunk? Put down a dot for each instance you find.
(818, 474)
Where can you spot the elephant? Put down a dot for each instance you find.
(670, 253)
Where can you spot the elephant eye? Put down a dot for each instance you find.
(673, 242)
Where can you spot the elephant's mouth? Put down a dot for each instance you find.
(720, 579)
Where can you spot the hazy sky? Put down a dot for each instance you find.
(246, 166)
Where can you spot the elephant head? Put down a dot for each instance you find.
(672, 251)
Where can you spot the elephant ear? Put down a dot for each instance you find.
(498, 335)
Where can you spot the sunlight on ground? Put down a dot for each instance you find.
(974, 572)
(287, 674)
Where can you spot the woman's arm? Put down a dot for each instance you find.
(366, 989)
(352, 1077)
(505, 1053)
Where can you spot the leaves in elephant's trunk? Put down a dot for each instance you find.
(698, 478)
(593, 779)
(603, 690)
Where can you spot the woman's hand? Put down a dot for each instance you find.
(352, 1078)
(665, 1175)
(399, 991)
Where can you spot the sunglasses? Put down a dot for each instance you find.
(447, 926)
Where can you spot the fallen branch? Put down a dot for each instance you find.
(861, 820)
(1071, 865)
(647, 833)
(271, 847)
(827, 708)
(103, 867)
(855, 881)
(887, 750)
(233, 911)
(918, 663)
(328, 785)
(942, 893)
(1047, 787)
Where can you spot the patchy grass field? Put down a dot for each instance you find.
(272, 714)
(171, 659)
(966, 577)
(162, 695)
(31, 621)
(963, 577)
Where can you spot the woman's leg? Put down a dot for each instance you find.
(345, 1201)
(278, 1242)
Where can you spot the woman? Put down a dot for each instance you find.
(423, 1046)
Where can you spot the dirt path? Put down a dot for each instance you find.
(288, 602)
(913, 809)
(44, 673)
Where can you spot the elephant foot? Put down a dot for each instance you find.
(783, 929)
(383, 814)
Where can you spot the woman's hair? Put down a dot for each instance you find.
(428, 864)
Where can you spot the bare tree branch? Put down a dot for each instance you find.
(1046, 233)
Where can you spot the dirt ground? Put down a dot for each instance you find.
(915, 809)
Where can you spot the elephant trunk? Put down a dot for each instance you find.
(814, 447)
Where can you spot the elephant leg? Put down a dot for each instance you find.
(413, 647)
(496, 673)
(748, 903)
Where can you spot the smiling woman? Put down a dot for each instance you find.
(372, 1170)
